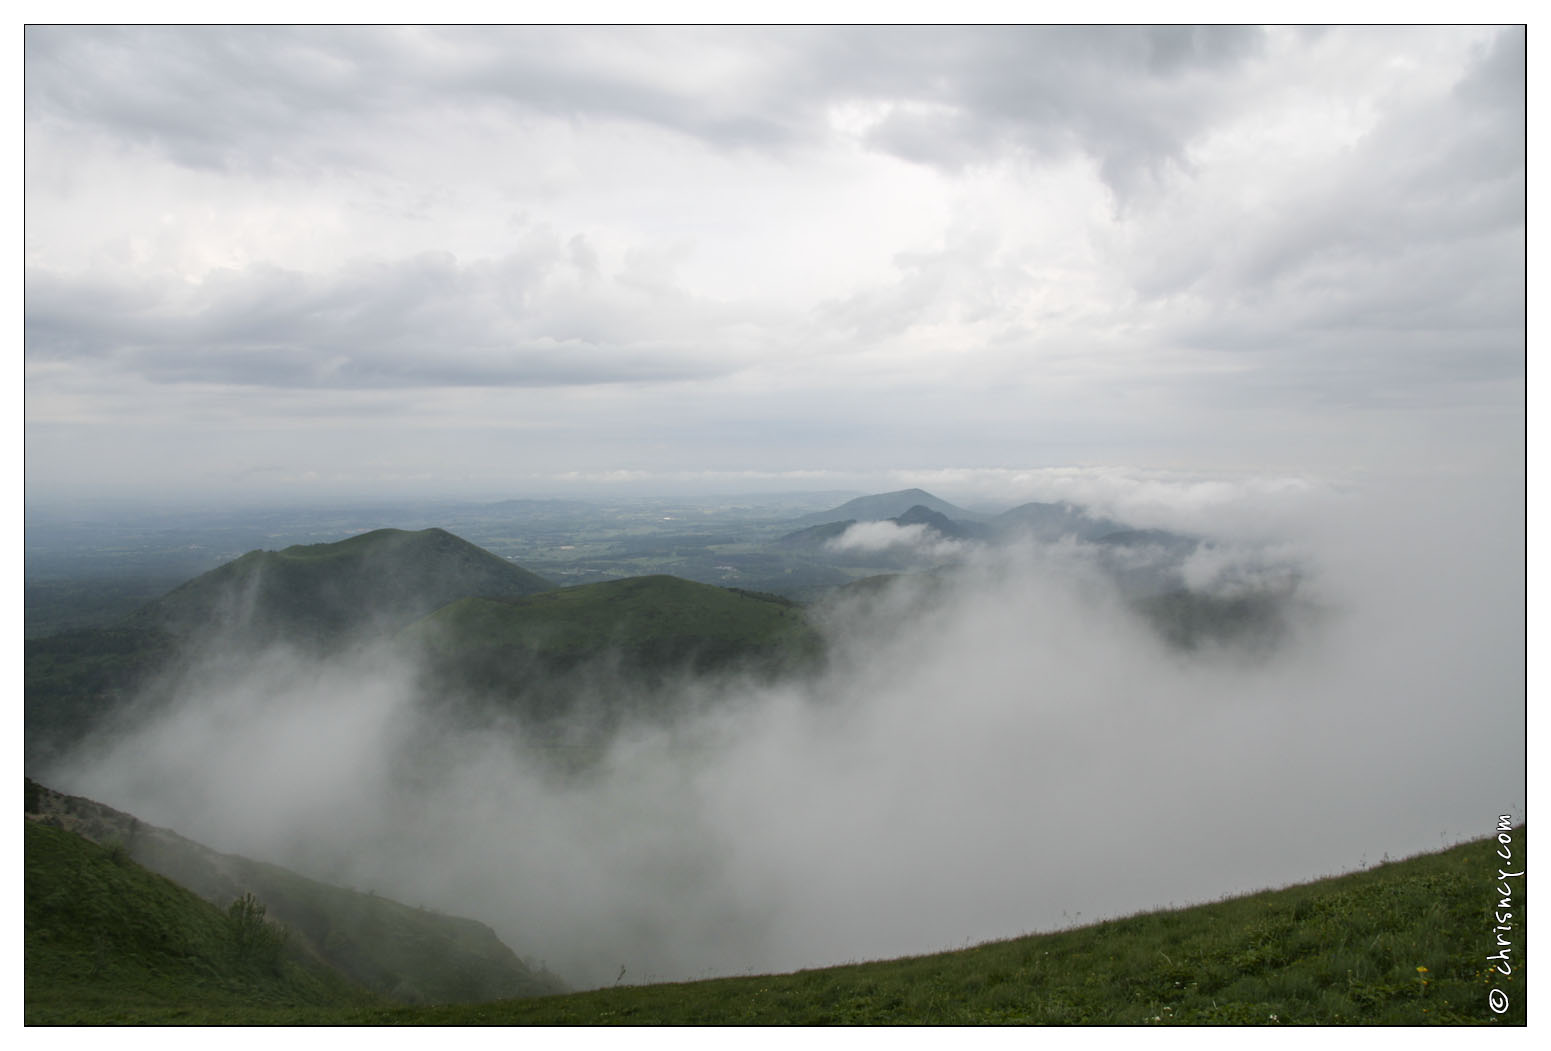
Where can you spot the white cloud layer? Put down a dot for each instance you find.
(852, 250)
(885, 535)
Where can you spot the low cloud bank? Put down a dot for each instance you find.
(1005, 749)
(913, 538)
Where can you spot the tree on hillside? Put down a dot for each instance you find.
(254, 938)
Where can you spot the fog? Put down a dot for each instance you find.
(887, 535)
(1001, 749)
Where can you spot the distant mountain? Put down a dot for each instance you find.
(941, 524)
(319, 593)
(1046, 521)
(883, 506)
(407, 954)
(813, 538)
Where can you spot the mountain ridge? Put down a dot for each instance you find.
(881, 506)
(312, 593)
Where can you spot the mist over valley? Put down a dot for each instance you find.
(1009, 733)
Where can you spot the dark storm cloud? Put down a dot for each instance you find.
(424, 321)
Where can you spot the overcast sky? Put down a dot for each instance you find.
(307, 263)
(1214, 280)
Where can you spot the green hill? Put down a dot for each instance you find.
(658, 619)
(311, 596)
(1404, 943)
(77, 680)
(538, 655)
(108, 941)
(404, 953)
(322, 592)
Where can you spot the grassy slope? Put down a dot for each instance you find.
(110, 942)
(548, 659)
(1343, 950)
(537, 652)
(404, 953)
(632, 614)
(407, 954)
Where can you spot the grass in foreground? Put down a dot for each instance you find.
(109, 942)
(1405, 943)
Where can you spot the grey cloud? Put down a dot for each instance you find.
(965, 280)
(1496, 81)
(889, 536)
(209, 97)
(1387, 275)
(1429, 175)
(1129, 97)
(274, 98)
(1387, 272)
(268, 97)
(277, 98)
(558, 71)
(524, 320)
